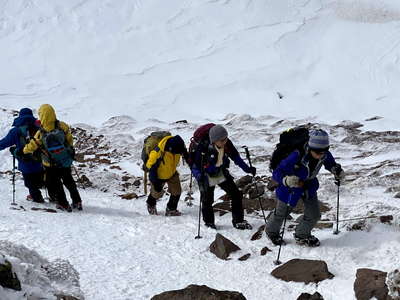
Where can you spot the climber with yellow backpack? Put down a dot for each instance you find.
(161, 155)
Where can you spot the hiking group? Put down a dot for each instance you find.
(44, 150)
(295, 164)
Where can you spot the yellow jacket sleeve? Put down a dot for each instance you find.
(35, 143)
(64, 127)
(153, 157)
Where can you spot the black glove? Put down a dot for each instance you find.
(19, 153)
(338, 172)
(12, 149)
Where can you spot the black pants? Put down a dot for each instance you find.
(55, 178)
(207, 199)
(34, 181)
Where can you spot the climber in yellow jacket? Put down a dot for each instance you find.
(55, 141)
(162, 164)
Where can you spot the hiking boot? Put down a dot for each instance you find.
(276, 239)
(211, 225)
(242, 225)
(172, 212)
(152, 209)
(65, 207)
(77, 205)
(310, 241)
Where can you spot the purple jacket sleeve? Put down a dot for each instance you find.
(286, 167)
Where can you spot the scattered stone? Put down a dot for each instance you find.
(49, 210)
(65, 297)
(303, 270)
(386, 219)
(244, 181)
(129, 196)
(373, 118)
(307, 296)
(8, 279)
(116, 167)
(222, 247)
(222, 207)
(197, 292)
(265, 250)
(397, 196)
(181, 122)
(258, 235)
(125, 178)
(393, 283)
(84, 181)
(244, 257)
(137, 182)
(360, 225)
(370, 283)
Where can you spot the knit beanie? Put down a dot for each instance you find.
(218, 132)
(319, 140)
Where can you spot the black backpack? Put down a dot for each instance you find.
(289, 141)
(200, 136)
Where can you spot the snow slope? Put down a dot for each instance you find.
(335, 60)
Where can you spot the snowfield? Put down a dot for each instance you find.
(117, 70)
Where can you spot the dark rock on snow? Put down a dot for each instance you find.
(307, 296)
(8, 279)
(303, 270)
(371, 283)
(222, 247)
(197, 292)
(244, 257)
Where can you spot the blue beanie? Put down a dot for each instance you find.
(319, 140)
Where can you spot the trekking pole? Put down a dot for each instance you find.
(79, 177)
(145, 182)
(337, 182)
(13, 182)
(255, 184)
(277, 261)
(202, 175)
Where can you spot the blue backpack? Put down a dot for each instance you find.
(58, 152)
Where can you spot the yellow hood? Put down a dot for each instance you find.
(47, 117)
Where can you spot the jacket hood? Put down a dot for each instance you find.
(25, 117)
(47, 117)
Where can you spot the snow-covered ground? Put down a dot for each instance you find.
(125, 68)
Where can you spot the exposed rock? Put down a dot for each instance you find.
(360, 225)
(371, 283)
(197, 292)
(129, 196)
(386, 219)
(49, 210)
(307, 296)
(84, 181)
(244, 181)
(303, 270)
(265, 250)
(397, 196)
(125, 178)
(244, 257)
(181, 122)
(116, 167)
(137, 182)
(258, 234)
(299, 209)
(393, 283)
(222, 247)
(65, 297)
(8, 279)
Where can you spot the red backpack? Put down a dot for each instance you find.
(199, 136)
